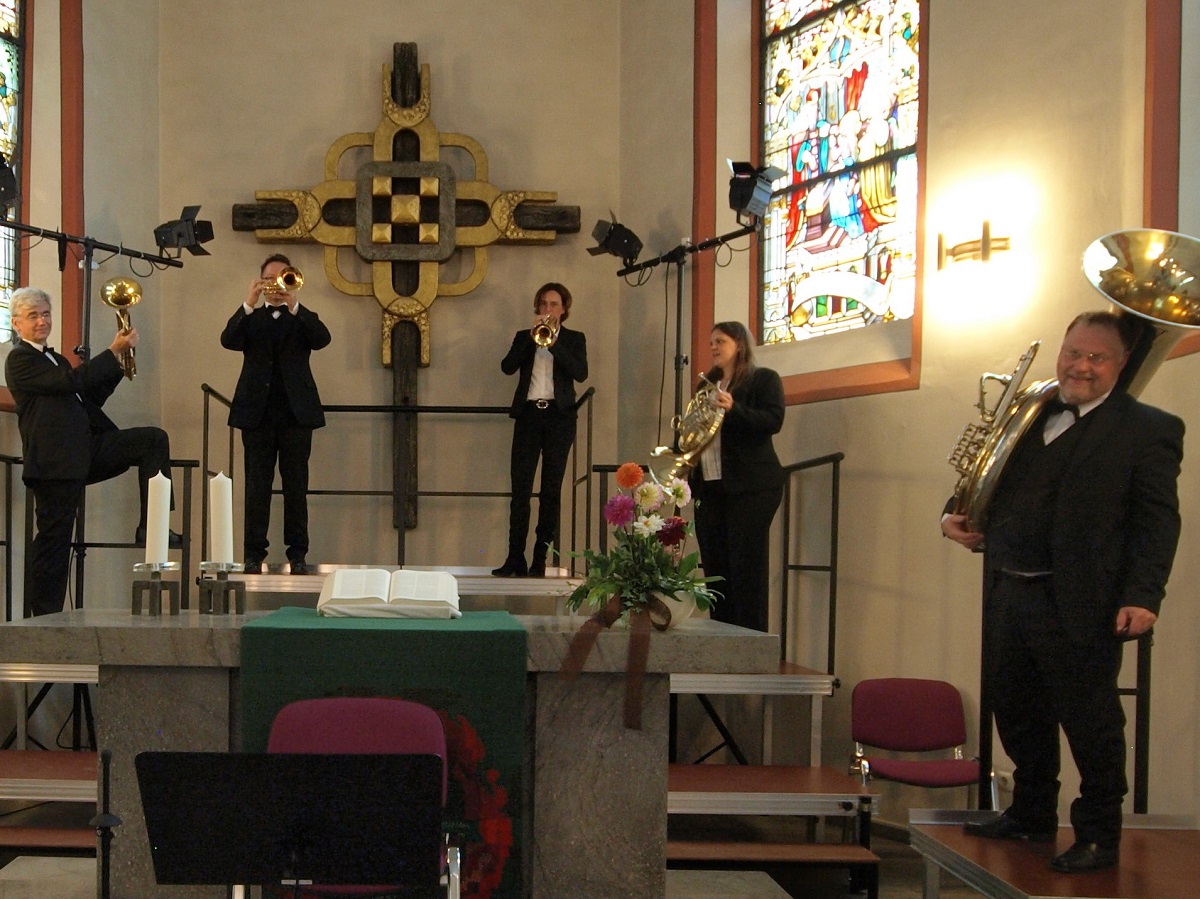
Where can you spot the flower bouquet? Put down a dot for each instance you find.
(645, 579)
(648, 569)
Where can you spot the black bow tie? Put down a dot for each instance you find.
(1055, 406)
(48, 350)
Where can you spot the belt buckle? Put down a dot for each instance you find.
(542, 404)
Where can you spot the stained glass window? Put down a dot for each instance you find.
(11, 84)
(840, 104)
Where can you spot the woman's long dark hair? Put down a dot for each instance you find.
(743, 360)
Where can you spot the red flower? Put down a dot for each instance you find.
(674, 529)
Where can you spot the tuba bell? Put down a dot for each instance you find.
(119, 294)
(545, 332)
(696, 427)
(1153, 275)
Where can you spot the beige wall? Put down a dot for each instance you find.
(594, 100)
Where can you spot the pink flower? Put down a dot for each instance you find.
(620, 510)
(674, 529)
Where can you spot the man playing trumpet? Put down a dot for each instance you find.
(68, 441)
(276, 405)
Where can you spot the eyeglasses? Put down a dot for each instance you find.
(35, 316)
(1093, 358)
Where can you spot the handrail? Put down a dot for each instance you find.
(8, 462)
(834, 460)
(397, 491)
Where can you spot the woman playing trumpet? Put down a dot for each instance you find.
(551, 359)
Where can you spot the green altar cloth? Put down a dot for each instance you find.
(471, 670)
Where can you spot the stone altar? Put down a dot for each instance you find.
(599, 792)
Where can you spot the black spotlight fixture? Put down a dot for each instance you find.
(617, 240)
(750, 189)
(185, 233)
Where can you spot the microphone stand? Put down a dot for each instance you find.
(90, 245)
(678, 257)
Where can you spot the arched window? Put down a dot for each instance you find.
(12, 75)
(840, 110)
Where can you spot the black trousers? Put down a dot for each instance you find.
(56, 503)
(1039, 679)
(545, 434)
(734, 532)
(284, 442)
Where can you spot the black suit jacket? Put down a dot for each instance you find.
(570, 365)
(253, 335)
(58, 409)
(748, 459)
(1116, 515)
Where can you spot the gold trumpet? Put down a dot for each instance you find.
(545, 332)
(289, 280)
(119, 294)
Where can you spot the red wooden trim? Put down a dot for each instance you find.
(756, 130)
(704, 161)
(71, 301)
(1160, 200)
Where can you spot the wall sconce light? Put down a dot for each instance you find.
(981, 249)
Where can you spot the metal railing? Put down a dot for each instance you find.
(398, 492)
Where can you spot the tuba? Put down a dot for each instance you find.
(119, 294)
(1153, 275)
(545, 332)
(696, 427)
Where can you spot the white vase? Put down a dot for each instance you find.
(681, 605)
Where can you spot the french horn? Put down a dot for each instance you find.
(696, 428)
(1153, 275)
(119, 294)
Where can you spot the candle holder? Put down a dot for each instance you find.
(154, 586)
(215, 591)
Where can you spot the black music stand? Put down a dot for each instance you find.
(293, 819)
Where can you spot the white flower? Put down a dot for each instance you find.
(649, 496)
(647, 525)
(679, 493)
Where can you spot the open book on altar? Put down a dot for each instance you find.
(379, 593)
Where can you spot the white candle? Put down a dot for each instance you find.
(158, 517)
(220, 518)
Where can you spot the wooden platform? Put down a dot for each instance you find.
(1160, 859)
(53, 776)
(763, 790)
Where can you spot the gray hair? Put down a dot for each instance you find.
(27, 297)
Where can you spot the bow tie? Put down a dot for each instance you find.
(48, 350)
(1055, 406)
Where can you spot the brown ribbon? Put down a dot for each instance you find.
(656, 615)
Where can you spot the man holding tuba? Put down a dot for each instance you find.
(1080, 539)
(68, 441)
(276, 405)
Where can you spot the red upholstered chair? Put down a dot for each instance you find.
(350, 725)
(911, 715)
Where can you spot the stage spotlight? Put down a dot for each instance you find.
(750, 189)
(617, 240)
(185, 233)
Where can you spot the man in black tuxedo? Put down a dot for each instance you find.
(277, 407)
(1081, 536)
(68, 442)
(543, 408)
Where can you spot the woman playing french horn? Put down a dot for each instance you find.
(739, 481)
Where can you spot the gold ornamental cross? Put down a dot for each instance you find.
(407, 211)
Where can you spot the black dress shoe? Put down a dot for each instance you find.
(253, 567)
(1006, 827)
(537, 569)
(1086, 857)
(511, 568)
(174, 541)
(299, 566)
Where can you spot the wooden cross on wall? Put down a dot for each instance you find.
(407, 213)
